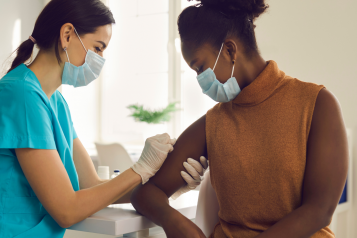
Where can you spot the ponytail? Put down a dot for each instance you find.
(23, 53)
(85, 15)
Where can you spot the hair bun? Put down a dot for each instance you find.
(254, 8)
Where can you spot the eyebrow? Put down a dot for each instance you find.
(193, 62)
(104, 45)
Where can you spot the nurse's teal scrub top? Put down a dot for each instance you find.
(28, 119)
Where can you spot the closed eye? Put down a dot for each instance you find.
(200, 70)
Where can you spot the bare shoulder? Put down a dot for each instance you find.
(326, 99)
(199, 124)
(327, 125)
(327, 109)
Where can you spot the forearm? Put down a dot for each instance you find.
(153, 203)
(123, 199)
(86, 171)
(301, 223)
(85, 202)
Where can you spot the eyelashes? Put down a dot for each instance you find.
(98, 49)
(200, 70)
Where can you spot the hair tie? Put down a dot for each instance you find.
(32, 39)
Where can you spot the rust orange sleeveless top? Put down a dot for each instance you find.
(257, 152)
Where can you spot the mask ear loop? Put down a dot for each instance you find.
(233, 67)
(218, 57)
(80, 39)
(65, 50)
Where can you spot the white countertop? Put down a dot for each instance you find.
(117, 220)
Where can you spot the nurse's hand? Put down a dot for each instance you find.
(194, 177)
(153, 156)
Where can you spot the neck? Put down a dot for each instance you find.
(47, 71)
(246, 71)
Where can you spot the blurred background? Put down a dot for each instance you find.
(314, 41)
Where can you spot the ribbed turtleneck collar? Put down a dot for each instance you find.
(262, 87)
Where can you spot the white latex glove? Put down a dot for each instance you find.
(153, 156)
(194, 176)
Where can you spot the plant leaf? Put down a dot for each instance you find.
(152, 116)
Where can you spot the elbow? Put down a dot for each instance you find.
(65, 219)
(325, 221)
(324, 217)
(64, 222)
(328, 221)
(327, 217)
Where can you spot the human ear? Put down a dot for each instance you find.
(66, 34)
(231, 50)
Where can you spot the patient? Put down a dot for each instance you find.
(276, 145)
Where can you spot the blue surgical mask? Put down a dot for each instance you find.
(216, 90)
(85, 74)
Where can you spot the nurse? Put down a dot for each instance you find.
(47, 179)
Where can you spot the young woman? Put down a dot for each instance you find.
(277, 146)
(47, 179)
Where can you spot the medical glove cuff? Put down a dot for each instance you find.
(144, 173)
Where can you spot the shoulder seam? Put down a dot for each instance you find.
(25, 101)
(25, 110)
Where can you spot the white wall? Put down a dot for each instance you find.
(315, 41)
(136, 69)
(10, 11)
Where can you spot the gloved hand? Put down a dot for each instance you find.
(194, 176)
(153, 156)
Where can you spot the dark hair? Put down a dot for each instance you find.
(212, 21)
(85, 15)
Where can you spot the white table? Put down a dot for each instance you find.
(122, 220)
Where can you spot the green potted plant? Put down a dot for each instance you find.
(156, 119)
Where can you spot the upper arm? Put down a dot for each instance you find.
(190, 144)
(327, 155)
(48, 178)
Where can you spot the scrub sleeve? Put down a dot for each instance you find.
(25, 119)
(28, 119)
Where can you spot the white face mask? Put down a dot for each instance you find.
(85, 74)
(215, 89)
